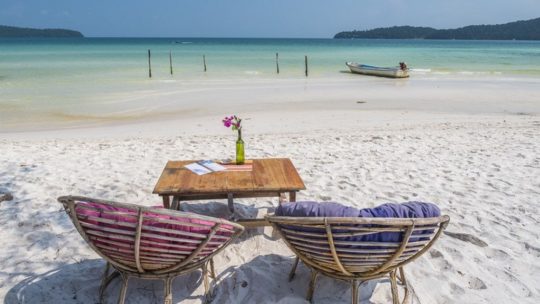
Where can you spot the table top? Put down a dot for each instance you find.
(268, 175)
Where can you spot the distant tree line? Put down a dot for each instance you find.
(20, 32)
(518, 30)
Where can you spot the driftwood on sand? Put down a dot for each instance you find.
(5, 197)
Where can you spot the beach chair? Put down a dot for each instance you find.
(357, 249)
(149, 243)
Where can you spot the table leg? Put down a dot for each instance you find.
(175, 203)
(292, 196)
(230, 202)
(166, 201)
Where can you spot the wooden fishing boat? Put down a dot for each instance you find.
(397, 72)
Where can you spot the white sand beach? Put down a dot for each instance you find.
(473, 150)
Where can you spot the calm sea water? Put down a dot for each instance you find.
(36, 58)
(42, 73)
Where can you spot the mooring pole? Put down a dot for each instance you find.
(149, 66)
(204, 62)
(306, 65)
(277, 63)
(170, 61)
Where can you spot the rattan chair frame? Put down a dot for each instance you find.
(357, 265)
(166, 273)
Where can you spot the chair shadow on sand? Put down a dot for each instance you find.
(245, 284)
(242, 211)
(221, 210)
(264, 279)
(79, 283)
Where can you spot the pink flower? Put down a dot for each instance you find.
(227, 122)
(233, 121)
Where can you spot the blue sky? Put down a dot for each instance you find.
(255, 18)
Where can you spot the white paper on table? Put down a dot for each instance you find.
(198, 169)
(212, 166)
(205, 166)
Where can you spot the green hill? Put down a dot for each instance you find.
(21, 32)
(395, 32)
(518, 30)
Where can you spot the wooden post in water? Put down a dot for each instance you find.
(204, 62)
(277, 63)
(170, 61)
(305, 58)
(149, 66)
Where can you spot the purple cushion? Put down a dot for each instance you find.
(332, 209)
(388, 210)
(315, 209)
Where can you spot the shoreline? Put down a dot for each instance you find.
(177, 100)
(269, 122)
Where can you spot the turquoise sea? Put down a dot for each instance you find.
(41, 74)
(127, 57)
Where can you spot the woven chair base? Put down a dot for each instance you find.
(358, 249)
(394, 277)
(149, 243)
(207, 269)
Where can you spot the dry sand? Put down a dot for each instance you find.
(482, 170)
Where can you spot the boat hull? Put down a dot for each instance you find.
(377, 71)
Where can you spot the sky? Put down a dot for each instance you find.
(255, 18)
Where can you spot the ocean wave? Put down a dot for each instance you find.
(457, 72)
(478, 72)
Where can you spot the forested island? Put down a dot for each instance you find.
(21, 32)
(518, 30)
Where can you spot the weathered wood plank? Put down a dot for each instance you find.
(239, 181)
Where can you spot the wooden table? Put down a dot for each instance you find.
(269, 178)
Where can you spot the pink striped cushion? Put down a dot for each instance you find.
(170, 242)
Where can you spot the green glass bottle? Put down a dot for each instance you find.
(240, 158)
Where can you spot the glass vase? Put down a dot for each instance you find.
(240, 158)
